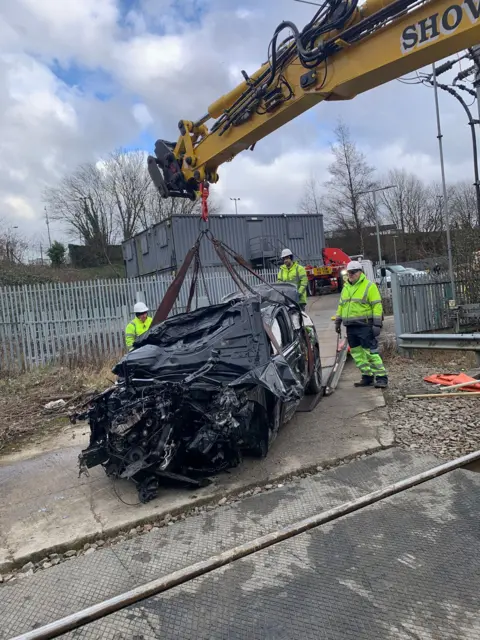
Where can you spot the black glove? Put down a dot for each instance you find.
(338, 326)
(376, 330)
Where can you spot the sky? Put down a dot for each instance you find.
(79, 78)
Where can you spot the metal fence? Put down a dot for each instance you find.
(424, 303)
(80, 321)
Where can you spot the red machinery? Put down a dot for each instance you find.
(329, 275)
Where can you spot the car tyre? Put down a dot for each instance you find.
(263, 446)
(314, 386)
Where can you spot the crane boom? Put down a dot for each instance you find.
(343, 51)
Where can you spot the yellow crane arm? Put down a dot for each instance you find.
(345, 50)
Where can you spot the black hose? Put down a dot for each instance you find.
(332, 15)
(471, 122)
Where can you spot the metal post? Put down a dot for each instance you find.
(47, 221)
(395, 248)
(235, 201)
(476, 82)
(377, 228)
(444, 185)
(398, 310)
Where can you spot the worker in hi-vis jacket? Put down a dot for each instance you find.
(138, 325)
(360, 311)
(292, 271)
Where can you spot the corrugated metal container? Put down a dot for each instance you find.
(259, 239)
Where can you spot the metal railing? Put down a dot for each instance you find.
(423, 302)
(79, 321)
(448, 341)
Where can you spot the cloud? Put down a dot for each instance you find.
(63, 30)
(18, 207)
(142, 115)
(79, 79)
(277, 186)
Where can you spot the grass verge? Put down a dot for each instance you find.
(23, 398)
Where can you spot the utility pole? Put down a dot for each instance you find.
(48, 227)
(235, 200)
(444, 185)
(41, 253)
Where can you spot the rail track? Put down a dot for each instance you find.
(165, 583)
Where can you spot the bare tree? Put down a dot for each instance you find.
(128, 188)
(463, 205)
(83, 203)
(157, 208)
(350, 176)
(113, 199)
(406, 205)
(101, 202)
(312, 201)
(13, 247)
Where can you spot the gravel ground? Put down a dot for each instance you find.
(447, 427)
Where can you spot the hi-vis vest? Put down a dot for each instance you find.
(360, 303)
(134, 329)
(297, 275)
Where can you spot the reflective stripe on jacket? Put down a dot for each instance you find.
(134, 329)
(360, 303)
(297, 275)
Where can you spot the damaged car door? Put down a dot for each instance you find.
(289, 343)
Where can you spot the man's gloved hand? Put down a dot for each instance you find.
(338, 326)
(376, 330)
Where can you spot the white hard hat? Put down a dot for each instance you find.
(285, 253)
(140, 307)
(354, 266)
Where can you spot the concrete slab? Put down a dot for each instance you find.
(72, 585)
(45, 507)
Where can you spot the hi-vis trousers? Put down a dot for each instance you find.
(364, 351)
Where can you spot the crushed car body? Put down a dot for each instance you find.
(202, 389)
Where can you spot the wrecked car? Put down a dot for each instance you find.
(202, 389)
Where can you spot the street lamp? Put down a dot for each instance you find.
(235, 200)
(374, 192)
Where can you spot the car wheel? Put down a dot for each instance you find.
(314, 386)
(262, 447)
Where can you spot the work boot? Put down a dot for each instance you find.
(366, 381)
(381, 382)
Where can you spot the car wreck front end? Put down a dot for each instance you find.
(197, 392)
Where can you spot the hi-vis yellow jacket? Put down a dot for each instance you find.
(360, 303)
(297, 275)
(134, 329)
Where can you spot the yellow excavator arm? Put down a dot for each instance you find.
(343, 51)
